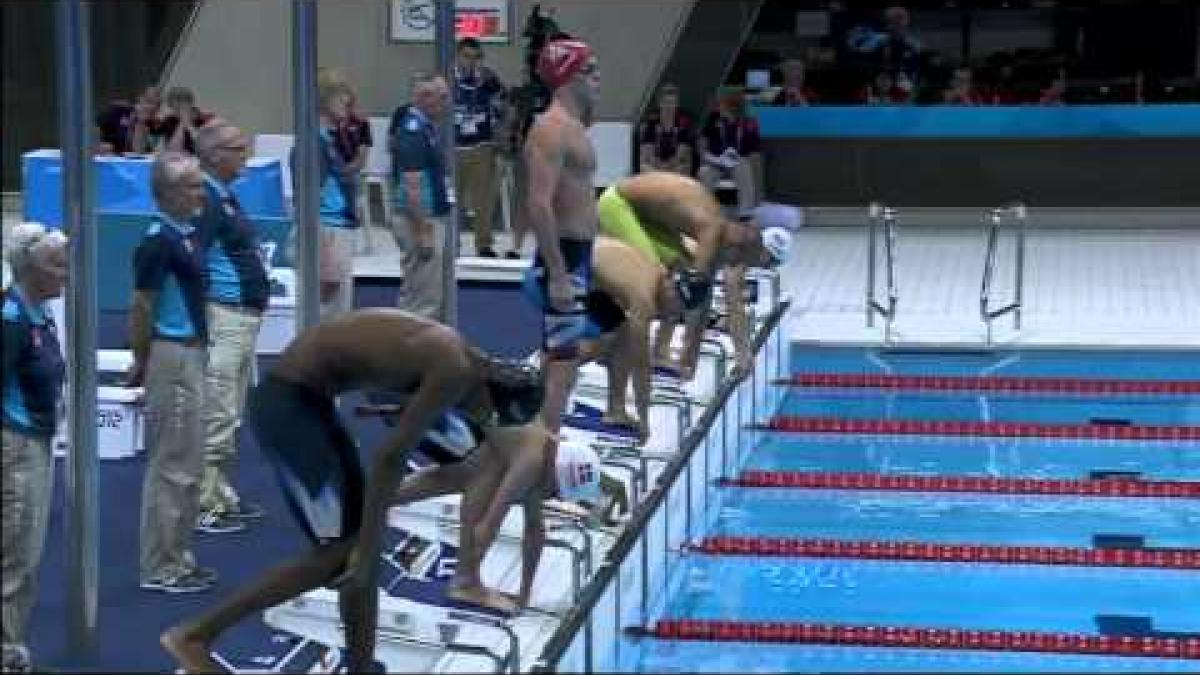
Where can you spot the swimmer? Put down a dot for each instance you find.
(677, 221)
(560, 206)
(341, 507)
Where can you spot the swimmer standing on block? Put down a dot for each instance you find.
(340, 507)
(561, 208)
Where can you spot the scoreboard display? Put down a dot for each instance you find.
(485, 20)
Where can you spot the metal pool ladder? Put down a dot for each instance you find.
(1017, 212)
(878, 212)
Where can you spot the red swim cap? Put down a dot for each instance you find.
(560, 60)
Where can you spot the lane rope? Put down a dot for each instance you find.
(1098, 487)
(797, 424)
(924, 638)
(1052, 385)
(1176, 558)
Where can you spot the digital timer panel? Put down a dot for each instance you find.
(484, 20)
(476, 24)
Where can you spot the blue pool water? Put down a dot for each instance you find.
(949, 595)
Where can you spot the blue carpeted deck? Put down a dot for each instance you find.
(491, 315)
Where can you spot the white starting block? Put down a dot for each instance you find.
(120, 422)
(279, 321)
(412, 637)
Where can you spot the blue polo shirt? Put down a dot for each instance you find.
(237, 274)
(33, 366)
(416, 146)
(338, 191)
(170, 262)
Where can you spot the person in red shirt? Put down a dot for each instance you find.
(1054, 93)
(795, 91)
(178, 128)
(730, 148)
(667, 138)
(961, 90)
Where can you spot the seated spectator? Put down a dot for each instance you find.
(730, 148)
(961, 90)
(887, 90)
(1055, 92)
(353, 137)
(795, 91)
(178, 127)
(667, 138)
(130, 129)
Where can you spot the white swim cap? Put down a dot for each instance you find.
(790, 218)
(778, 243)
(577, 468)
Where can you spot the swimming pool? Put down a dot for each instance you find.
(822, 611)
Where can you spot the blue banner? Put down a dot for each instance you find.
(1072, 121)
(122, 186)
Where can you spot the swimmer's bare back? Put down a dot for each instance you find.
(377, 348)
(556, 134)
(671, 200)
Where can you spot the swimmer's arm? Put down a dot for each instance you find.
(532, 543)
(708, 225)
(544, 162)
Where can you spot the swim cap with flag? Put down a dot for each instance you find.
(577, 468)
(560, 60)
(778, 242)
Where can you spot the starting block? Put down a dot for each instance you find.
(120, 419)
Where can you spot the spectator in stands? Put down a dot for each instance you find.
(167, 334)
(338, 198)
(961, 90)
(795, 91)
(419, 194)
(33, 377)
(178, 128)
(1055, 92)
(479, 110)
(888, 89)
(730, 148)
(131, 129)
(667, 138)
(238, 291)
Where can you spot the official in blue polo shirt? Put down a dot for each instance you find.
(238, 291)
(167, 327)
(338, 179)
(33, 376)
(419, 194)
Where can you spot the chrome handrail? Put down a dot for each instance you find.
(875, 213)
(1016, 211)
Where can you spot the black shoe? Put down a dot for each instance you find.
(486, 253)
(218, 522)
(513, 255)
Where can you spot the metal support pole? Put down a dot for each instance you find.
(307, 177)
(872, 216)
(1019, 273)
(444, 38)
(75, 126)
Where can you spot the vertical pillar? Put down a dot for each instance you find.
(306, 174)
(444, 38)
(75, 132)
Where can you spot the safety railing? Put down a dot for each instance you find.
(877, 213)
(1010, 212)
(637, 564)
